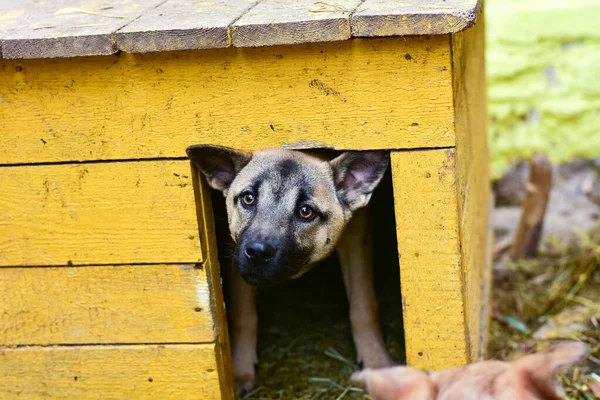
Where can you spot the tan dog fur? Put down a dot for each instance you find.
(282, 175)
(532, 377)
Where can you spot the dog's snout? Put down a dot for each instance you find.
(259, 252)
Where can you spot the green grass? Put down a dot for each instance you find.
(560, 290)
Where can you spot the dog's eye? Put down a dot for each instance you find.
(248, 199)
(306, 213)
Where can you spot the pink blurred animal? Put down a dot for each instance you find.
(532, 377)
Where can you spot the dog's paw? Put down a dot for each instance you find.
(244, 385)
(244, 368)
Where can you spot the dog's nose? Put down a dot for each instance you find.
(259, 252)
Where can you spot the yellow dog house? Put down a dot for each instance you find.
(108, 272)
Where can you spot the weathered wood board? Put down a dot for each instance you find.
(274, 22)
(431, 271)
(143, 110)
(442, 209)
(98, 213)
(208, 239)
(182, 25)
(473, 178)
(104, 305)
(83, 28)
(67, 28)
(10, 15)
(358, 94)
(110, 372)
(414, 17)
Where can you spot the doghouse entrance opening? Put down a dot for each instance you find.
(305, 346)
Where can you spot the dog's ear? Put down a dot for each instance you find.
(219, 164)
(396, 383)
(538, 372)
(356, 174)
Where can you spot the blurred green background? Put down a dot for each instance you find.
(543, 60)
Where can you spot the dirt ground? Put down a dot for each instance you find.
(555, 296)
(305, 343)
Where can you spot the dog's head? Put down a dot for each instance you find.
(532, 377)
(287, 209)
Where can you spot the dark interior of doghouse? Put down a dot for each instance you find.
(305, 346)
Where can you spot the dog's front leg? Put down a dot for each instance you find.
(356, 258)
(243, 321)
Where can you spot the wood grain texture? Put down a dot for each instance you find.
(431, 271)
(473, 176)
(359, 94)
(208, 238)
(275, 22)
(109, 304)
(182, 25)
(11, 14)
(488, 278)
(110, 372)
(107, 213)
(414, 17)
(68, 28)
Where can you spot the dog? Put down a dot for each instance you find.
(286, 211)
(532, 377)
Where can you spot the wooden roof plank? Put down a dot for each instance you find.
(12, 14)
(67, 28)
(278, 22)
(183, 25)
(413, 17)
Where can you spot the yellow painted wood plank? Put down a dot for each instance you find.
(208, 239)
(223, 346)
(357, 94)
(110, 372)
(105, 213)
(431, 275)
(473, 176)
(107, 304)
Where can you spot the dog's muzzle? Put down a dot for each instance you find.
(259, 253)
(265, 262)
(256, 261)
